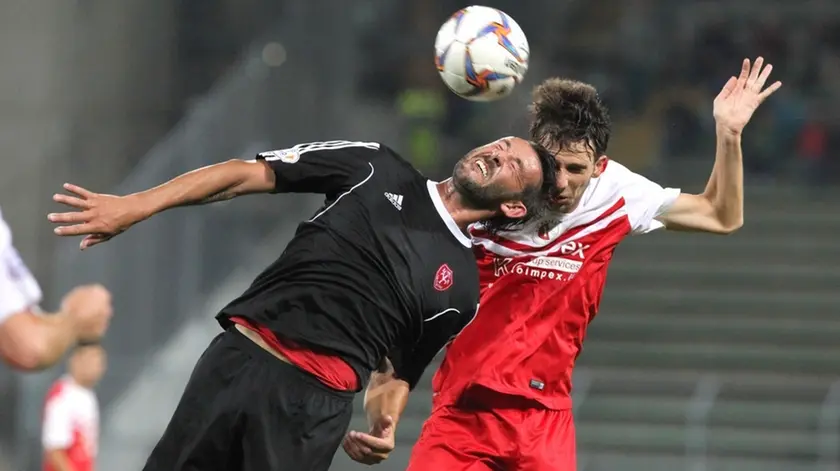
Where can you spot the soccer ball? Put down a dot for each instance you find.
(481, 53)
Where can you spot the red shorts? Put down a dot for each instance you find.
(496, 432)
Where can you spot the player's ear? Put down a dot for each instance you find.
(514, 209)
(600, 165)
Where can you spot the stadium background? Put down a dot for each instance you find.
(708, 353)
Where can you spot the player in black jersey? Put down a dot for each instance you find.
(384, 268)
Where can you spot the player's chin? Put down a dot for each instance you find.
(561, 205)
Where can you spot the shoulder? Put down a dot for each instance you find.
(642, 198)
(57, 393)
(392, 157)
(614, 183)
(617, 178)
(397, 177)
(293, 153)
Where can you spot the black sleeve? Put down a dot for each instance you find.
(410, 363)
(328, 168)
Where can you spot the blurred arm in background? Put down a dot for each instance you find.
(720, 208)
(32, 341)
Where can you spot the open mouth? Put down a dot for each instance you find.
(482, 167)
(487, 164)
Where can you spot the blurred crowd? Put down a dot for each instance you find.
(658, 64)
(798, 134)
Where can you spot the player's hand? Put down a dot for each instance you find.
(99, 217)
(741, 96)
(90, 309)
(374, 447)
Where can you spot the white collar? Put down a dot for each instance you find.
(444, 214)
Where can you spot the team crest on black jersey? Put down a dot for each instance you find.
(443, 278)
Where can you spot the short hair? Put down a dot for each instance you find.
(536, 199)
(565, 112)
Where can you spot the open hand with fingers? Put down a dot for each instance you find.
(99, 217)
(374, 447)
(741, 96)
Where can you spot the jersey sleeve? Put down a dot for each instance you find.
(329, 168)
(18, 289)
(646, 200)
(57, 430)
(410, 363)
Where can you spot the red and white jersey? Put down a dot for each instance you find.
(71, 423)
(18, 289)
(540, 288)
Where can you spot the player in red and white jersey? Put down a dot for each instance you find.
(70, 434)
(543, 285)
(502, 396)
(30, 340)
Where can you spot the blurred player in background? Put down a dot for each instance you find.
(384, 268)
(29, 340)
(502, 396)
(70, 432)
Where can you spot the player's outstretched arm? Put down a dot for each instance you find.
(30, 341)
(385, 400)
(720, 208)
(100, 217)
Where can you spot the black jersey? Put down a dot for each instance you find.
(380, 270)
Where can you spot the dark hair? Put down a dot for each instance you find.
(537, 199)
(565, 112)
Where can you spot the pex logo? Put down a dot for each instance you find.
(575, 249)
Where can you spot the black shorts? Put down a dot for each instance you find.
(243, 409)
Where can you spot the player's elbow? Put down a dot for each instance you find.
(22, 359)
(21, 347)
(730, 227)
(24, 356)
(733, 228)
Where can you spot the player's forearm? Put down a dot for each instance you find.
(34, 342)
(385, 396)
(725, 188)
(59, 460)
(209, 184)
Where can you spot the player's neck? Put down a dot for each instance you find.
(457, 208)
(80, 382)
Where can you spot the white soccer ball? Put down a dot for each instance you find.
(481, 53)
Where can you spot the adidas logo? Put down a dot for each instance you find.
(396, 200)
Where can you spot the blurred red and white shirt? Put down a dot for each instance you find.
(19, 291)
(71, 423)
